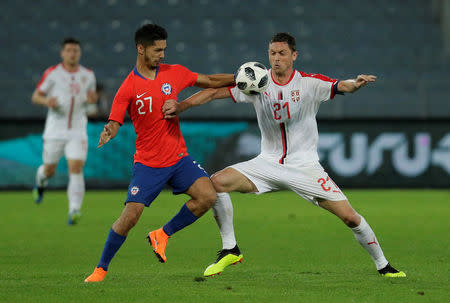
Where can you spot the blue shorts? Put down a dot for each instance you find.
(147, 182)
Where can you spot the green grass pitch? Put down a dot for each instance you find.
(293, 251)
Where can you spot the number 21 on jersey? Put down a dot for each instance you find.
(142, 109)
(276, 110)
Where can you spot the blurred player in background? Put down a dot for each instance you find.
(66, 89)
(161, 157)
(286, 114)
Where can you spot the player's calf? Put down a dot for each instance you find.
(201, 205)
(129, 218)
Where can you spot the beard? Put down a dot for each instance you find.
(149, 63)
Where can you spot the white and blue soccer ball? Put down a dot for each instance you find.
(252, 78)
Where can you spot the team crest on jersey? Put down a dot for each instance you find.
(295, 95)
(75, 88)
(166, 88)
(134, 190)
(83, 79)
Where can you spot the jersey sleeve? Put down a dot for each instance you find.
(239, 97)
(186, 77)
(321, 86)
(120, 103)
(47, 81)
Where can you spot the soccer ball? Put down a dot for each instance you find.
(252, 78)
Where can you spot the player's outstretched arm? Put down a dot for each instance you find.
(352, 85)
(214, 81)
(109, 131)
(171, 108)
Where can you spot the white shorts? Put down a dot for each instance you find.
(311, 182)
(73, 149)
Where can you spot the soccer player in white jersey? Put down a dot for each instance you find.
(66, 89)
(286, 114)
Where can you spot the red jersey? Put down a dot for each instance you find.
(159, 142)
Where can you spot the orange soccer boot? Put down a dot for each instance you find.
(158, 239)
(97, 276)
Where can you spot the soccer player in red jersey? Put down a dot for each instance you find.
(161, 157)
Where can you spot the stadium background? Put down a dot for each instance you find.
(391, 134)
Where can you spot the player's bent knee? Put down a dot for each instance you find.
(76, 166)
(211, 196)
(203, 203)
(50, 173)
(204, 194)
(49, 170)
(218, 183)
(351, 220)
(76, 170)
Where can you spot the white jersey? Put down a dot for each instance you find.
(287, 116)
(69, 119)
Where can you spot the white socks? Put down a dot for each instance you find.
(75, 189)
(366, 237)
(41, 179)
(75, 192)
(223, 213)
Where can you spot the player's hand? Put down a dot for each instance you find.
(52, 103)
(105, 136)
(92, 97)
(362, 80)
(170, 109)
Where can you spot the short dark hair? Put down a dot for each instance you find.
(285, 37)
(70, 40)
(147, 34)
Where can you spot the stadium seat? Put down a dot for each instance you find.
(393, 40)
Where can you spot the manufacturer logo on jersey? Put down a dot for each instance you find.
(138, 96)
(166, 88)
(134, 190)
(295, 95)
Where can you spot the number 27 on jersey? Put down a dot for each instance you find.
(142, 109)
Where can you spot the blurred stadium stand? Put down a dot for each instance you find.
(399, 43)
(400, 123)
